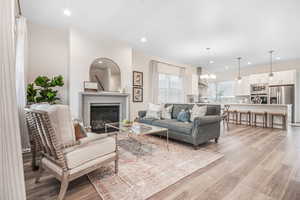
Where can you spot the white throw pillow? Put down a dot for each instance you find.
(166, 112)
(198, 111)
(153, 111)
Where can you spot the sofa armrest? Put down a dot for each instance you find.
(142, 113)
(209, 119)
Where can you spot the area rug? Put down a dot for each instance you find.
(147, 167)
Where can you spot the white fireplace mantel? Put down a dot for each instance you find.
(86, 99)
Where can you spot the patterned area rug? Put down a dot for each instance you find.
(147, 167)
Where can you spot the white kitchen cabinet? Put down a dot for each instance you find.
(242, 88)
(283, 78)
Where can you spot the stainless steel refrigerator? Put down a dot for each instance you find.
(284, 94)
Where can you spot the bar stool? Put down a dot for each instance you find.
(264, 116)
(242, 113)
(283, 118)
(225, 116)
(234, 115)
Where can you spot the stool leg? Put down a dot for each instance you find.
(272, 121)
(255, 120)
(284, 123)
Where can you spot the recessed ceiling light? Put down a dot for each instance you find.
(143, 39)
(249, 63)
(67, 12)
(278, 58)
(211, 62)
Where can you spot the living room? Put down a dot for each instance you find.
(150, 100)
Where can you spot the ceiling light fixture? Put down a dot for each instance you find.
(239, 78)
(211, 62)
(278, 58)
(226, 67)
(271, 64)
(249, 63)
(100, 62)
(143, 40)
(67, 12)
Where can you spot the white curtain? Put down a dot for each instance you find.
(21, 66)
(184, 86)
(12, 185)
(154, 81)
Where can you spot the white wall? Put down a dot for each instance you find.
(140, 62)
(48, 54)
(70, 53)
(84, 49)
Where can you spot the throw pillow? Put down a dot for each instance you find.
(79, 131)
(153, 111)
(198, 111)
(166, 112)
(183, 116)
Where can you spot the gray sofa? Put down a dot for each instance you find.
(201, 130)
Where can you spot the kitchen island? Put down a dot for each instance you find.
(269, 108)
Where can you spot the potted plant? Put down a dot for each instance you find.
(43, 90)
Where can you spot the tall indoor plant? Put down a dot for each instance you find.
(43, 90)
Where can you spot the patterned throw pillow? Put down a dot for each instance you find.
(166, 112)
(153, 111)
(183, 116)
(198, 111)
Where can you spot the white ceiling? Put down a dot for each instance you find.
(182, 29)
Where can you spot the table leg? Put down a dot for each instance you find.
(168, 139)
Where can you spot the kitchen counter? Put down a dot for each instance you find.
(280, 108)
(266, 105)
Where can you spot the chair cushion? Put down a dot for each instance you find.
(174, 125)
(61, 122)
(85, 153)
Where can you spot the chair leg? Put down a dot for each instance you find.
(216, 139)
(39, 175)
(63, 187)
(117, 166)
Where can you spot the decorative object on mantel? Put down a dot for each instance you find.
(271, 64)
(137, 79)
(89, 86)
(137, 94)
(239, 78)
(41, 90)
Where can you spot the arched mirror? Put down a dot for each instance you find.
(106, 73)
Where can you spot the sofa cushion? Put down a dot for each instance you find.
(174, 125)
(198, 111)
(147, 120)
(153, 111)
(183, 116)
(177, 108)
(213, 110)
(85, 153)
(199, 121)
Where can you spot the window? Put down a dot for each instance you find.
(170, 88)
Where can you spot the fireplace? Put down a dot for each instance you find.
(102, 114)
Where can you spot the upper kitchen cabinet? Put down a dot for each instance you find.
(259, 78)
(242, 88)
(283, 78)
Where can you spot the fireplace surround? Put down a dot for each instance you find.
(109, 102)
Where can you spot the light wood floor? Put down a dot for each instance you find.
(258, 164)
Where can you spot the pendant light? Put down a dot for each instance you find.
(271, 75)
(239, 78)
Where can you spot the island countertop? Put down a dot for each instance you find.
(248, 104)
